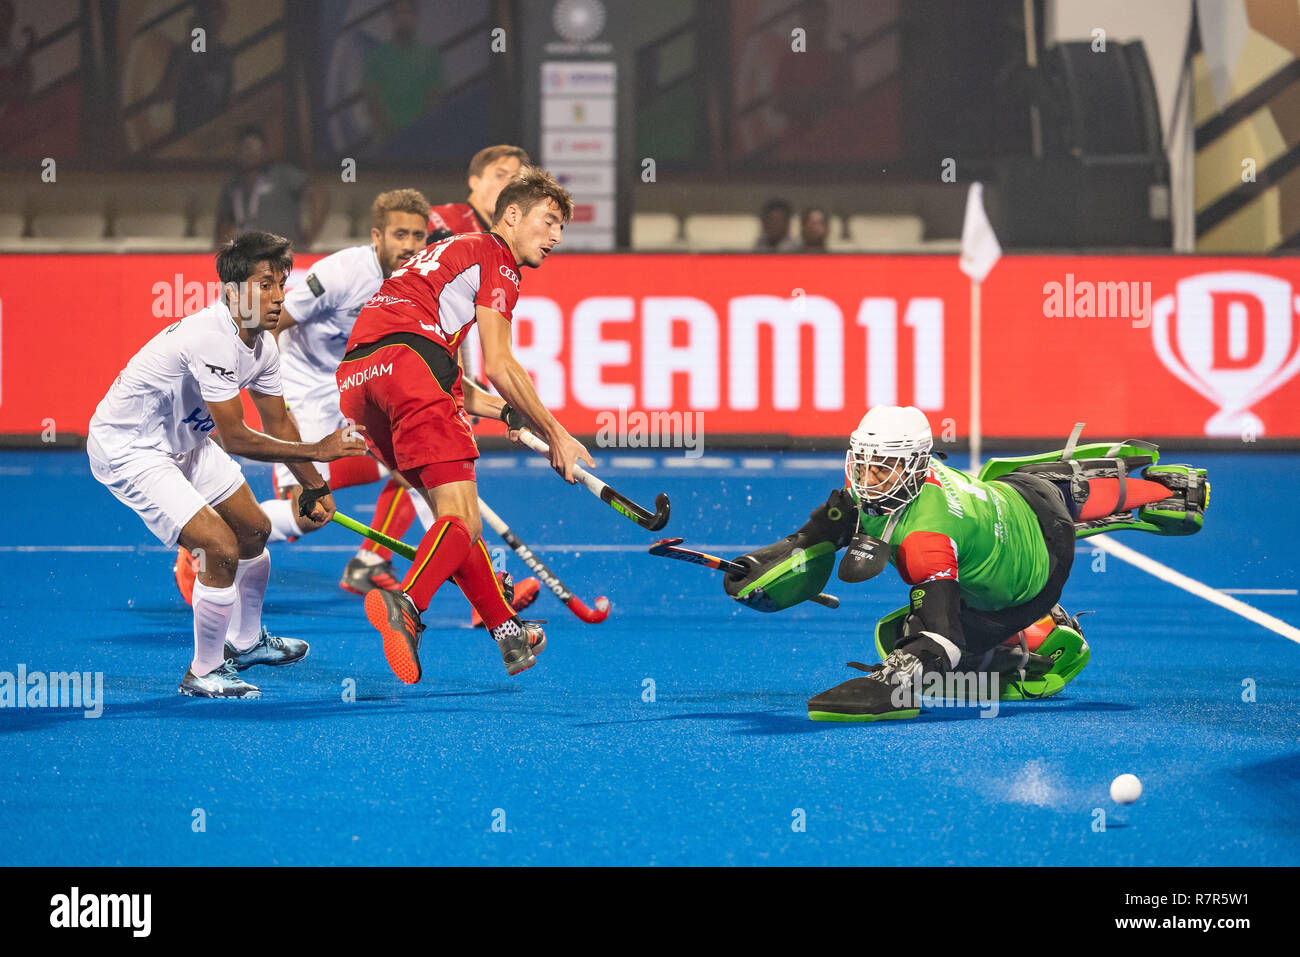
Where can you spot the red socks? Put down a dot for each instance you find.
(479, 583)
(441, 552)
(446, 552)
(394, 514)
(1103, 496)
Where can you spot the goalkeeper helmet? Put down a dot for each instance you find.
(888, 458)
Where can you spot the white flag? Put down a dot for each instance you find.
(979, 246)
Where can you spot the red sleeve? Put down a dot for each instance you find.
(927, 556)
(436, 220)
(498, 287)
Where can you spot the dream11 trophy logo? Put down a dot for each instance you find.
(1234, 337)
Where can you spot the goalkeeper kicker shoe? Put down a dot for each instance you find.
(397, 620)
(220, 682)
(889, 692)
(267, 650)
(360, 576)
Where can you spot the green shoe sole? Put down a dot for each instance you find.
(892, 716)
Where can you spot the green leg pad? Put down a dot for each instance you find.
(1049, 685)
(994, 468)
(1065, 646)
(1070, 654)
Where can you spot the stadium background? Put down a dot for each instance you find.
(676, 732)
(1167, 157)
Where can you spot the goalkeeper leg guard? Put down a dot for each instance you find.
(1103, 497)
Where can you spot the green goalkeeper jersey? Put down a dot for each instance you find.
(982, 534)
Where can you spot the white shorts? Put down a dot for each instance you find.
(166, 491)
(315, 408)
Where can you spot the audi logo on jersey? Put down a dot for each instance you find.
(1234, 337)
(510, 274)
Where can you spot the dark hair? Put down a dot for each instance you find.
(252, 129)
(237, 259)
(772, 205)
(530, 186)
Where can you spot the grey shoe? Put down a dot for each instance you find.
(360, 577)
(519, 642)
(220, 682)
(269, 650)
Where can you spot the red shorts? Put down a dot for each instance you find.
(405, 390)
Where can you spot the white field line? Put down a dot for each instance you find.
(1200, 589)
(1258, 591)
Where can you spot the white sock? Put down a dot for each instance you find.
(507, 629)
(250, 586)
(422, 510)
(953, 652)
(369, 557)
(280, 512)
(213, 609)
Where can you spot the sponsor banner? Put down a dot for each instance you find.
(561, 79)
(596, 146)
(584, 178)
(578, 113)
(1137, 347)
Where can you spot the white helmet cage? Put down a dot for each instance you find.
(897, 440)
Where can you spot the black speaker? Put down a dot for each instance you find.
(1100, 103)
(1103, 179)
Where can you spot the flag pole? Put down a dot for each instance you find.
(980, 252)
(975, 439)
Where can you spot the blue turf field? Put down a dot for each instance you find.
(585, 771)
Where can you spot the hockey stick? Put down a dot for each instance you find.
(590, 615)
(669, 548)
(651, 521)
(593, 616)
(392, 544)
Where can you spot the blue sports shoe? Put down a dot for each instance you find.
(220, 682)
(269, 650)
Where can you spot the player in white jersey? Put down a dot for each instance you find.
(150, 444)
(313, 335)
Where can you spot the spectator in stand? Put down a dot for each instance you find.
(198, 83)
(776, 228)
(268, 196)
(403, 76)
(813, 230)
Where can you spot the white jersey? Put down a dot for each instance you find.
(325, 306)
(159, 402)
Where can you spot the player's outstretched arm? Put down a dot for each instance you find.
(239, 439)
(516, 386)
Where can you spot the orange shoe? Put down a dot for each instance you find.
(187, 569)
(397, 619)
(518, 596)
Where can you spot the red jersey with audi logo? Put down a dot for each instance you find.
(434, 293)
(458, 217)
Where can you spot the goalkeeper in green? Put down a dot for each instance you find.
(985, 559)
